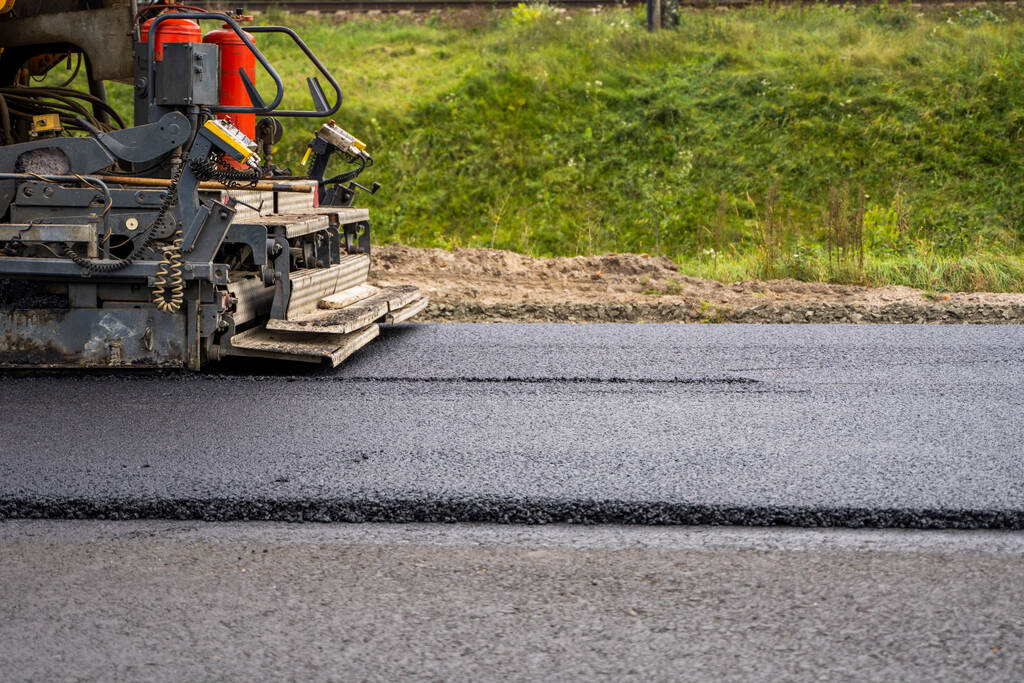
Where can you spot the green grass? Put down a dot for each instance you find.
(990, 272)
(552, 134)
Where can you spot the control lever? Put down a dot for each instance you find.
(234, 201)
(254, 95)
(316, 91)
(372, 190)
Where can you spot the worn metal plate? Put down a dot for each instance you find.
(91, 337)
(343, 215)
(301, 346)
(297, 225)
(407, 311)
(343, 320)
(82, 232)
(337, 321)
(401, 295)
(347, 297)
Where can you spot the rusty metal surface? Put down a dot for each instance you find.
(91, 338)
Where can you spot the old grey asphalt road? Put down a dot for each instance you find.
(805, 425)
(195, 601)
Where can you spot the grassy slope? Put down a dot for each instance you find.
(551, 135)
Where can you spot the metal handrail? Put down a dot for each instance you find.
(203, 16)
(315, 90)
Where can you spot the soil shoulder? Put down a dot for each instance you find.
(495, 286)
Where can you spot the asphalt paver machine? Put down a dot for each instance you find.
(175, 241)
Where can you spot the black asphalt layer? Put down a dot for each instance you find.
(908, 426)
(191, 601)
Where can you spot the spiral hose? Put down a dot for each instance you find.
(168, 285)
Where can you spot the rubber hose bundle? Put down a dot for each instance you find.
(364, 162)
(21, 103)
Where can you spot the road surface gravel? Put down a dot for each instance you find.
(193, 601)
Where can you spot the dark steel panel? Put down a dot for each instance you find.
(104, 35)
(97, 337)
(188, 74)
(44, 268)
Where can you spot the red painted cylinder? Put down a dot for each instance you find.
(234, 55)
(172, 31)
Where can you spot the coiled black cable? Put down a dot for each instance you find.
(209, 169)
(141, 241)
(363, 162)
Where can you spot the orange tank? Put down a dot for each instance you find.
(172, 31)
(234, 55)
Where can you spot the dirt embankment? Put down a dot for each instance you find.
(493, 285)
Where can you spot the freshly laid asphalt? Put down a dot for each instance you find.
(166, 600)
(904, 426)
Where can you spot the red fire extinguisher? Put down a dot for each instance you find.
(172, 31)
(234, 55)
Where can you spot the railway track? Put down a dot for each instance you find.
(329, 6)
